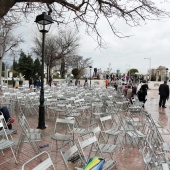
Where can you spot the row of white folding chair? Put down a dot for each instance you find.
(154, 160)
(26, 105)
(5, 99)
(71, 127)
(158, 139)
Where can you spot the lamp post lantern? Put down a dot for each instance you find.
(44, 22)
(149, 68)
(90, 75)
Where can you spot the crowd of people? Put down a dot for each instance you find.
(125, 78)
(130, 89)
(36, 81)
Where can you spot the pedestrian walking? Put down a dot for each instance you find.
(164, 94)
(142, 91)
(107, 82)
(85, 83)
(50, 80)
(30, 82)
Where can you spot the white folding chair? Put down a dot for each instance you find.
(43, 165)
(72, 155)
(105, 147)
(66, 133)
(132, 133)
(6, 143)
(109, 128)
(88, 145)
(82, 107)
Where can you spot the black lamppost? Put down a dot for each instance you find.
(167, 74)
(90, 75)
(44, 22)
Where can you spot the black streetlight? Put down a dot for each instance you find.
(44, 22)
(90, 75)
(167, 74)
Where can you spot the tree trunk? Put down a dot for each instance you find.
(0, 73)
(62, 69)
(47, 80)
(6, 5)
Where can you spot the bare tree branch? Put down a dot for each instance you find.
(89, 11)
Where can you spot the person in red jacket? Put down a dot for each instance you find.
(107, 82)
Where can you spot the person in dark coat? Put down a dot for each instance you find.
(142, 91)
(164, 94)
(50, 80)
(35, 81)
(30, 82)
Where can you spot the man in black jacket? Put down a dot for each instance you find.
(142, 91)
(164, 94)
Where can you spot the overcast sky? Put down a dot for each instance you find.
(150, 40)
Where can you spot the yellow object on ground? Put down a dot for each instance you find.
(92, 163)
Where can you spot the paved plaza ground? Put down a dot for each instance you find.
(132, 161)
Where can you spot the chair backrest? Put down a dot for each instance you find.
(89, 142)
(71, 153)
(45, 164)
(77, 103)
(96, 130)
(107, 122)
(68, 122)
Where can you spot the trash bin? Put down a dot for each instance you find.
(20, 83)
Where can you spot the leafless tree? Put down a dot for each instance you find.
(68, 43)
(89, 11)
(58, 47)
(8, 42)
(80, 63)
